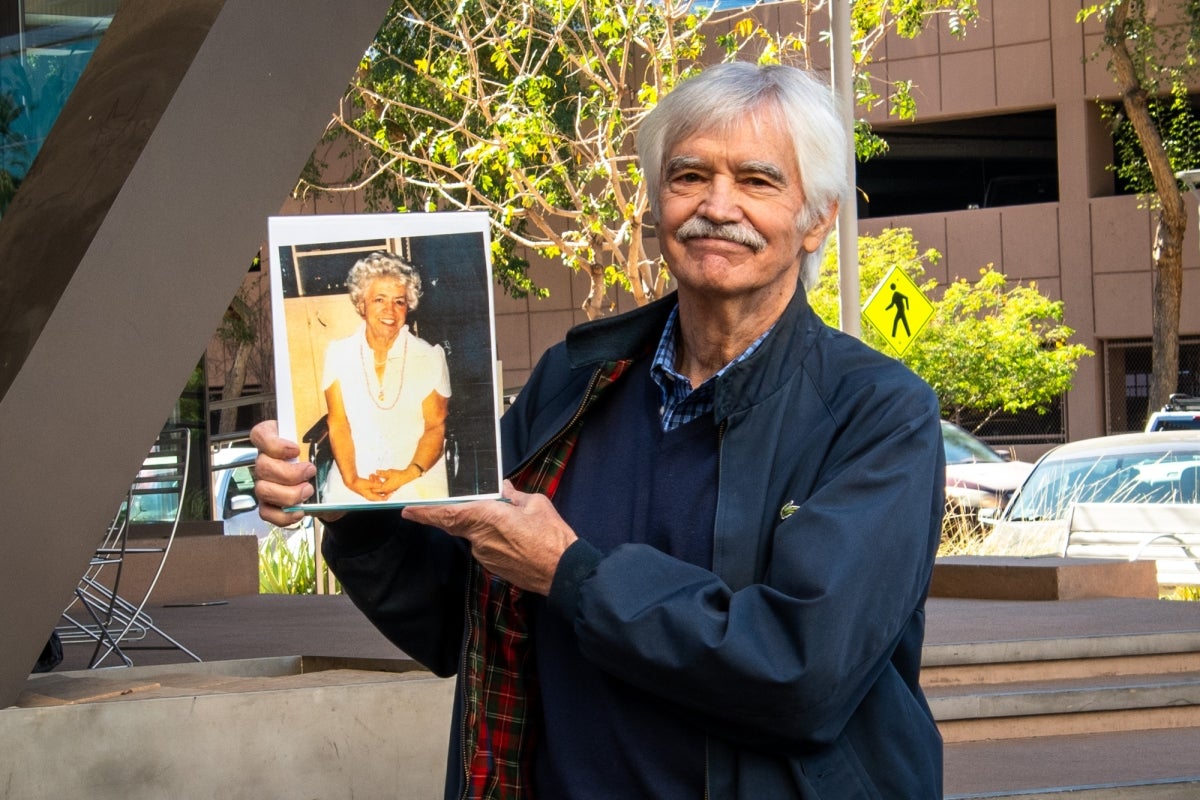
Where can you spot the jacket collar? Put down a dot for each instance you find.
(635, 332)
(622, 336)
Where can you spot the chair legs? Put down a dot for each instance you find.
(114, 623)
(155, 495)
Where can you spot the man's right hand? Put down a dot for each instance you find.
(279, 480)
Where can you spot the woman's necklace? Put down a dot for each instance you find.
(377, 398)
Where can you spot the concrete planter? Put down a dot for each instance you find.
(292, 727)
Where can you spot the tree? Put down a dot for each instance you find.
(989, 347)
(1151, 63)
(246, 344)
(529, 109)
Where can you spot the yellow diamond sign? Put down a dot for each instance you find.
(898, 310)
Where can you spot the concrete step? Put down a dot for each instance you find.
(1005, 672)
(1140, 765)
(1067, 706)
(1053, 687)
(985, 661)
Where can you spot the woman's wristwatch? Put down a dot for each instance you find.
(420, 469)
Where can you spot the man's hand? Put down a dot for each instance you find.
(279, 480)
(520, 541)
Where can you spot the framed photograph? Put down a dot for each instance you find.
(385, 356)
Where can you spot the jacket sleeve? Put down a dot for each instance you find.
(409, 580)
(847, 553)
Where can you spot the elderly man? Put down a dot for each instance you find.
(710, 578)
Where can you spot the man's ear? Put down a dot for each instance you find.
(815, 236)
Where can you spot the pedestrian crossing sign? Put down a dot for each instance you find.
(898, 309)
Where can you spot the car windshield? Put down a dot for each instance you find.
(963, 448)
(1177, 423)
(1125, 477)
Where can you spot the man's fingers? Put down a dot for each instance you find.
(458, 519)
(278, 517)
(281, 495)
(265, 438)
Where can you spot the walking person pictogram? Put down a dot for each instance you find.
(900, 303)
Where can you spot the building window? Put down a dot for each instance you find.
(1127, 366)
(999, 160)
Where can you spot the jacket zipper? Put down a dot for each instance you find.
(587, 394)
(720, 450)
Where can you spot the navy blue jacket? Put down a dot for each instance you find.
(799, 652)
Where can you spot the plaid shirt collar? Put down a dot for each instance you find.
(680, 402)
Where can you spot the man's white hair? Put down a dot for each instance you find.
(724, 95)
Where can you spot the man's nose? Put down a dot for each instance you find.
(720, 202)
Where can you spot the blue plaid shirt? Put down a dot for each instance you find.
(680, 402)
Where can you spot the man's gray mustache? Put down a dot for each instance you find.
(701, 228)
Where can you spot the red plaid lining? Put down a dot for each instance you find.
(500, 685)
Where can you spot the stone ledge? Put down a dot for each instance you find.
(1042, 578)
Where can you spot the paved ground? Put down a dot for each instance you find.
(254, 626)
(272, 625)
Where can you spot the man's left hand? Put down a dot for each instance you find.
(521, 540)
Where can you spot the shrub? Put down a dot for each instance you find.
(962, 531)
(284, 567)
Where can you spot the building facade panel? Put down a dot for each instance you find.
(929, 231)
(977, 37)
(973, 241)
(1123, 305)
(1121, 235)
(1029, 241)
(925, 73)
(1020, 21)
(968, 82)
(1024, 76)
(1189, 311)
(1098, 83)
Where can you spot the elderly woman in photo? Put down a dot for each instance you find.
(387, 393)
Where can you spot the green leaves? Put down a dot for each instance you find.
(990, 345)
(285, 569)
(529, 109)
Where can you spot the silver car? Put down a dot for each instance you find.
(1125, 469)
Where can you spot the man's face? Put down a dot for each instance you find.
(746, 179)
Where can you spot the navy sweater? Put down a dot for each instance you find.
(626, 482)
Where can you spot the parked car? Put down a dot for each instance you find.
(234, 501)
(1132, 468)
(1181, 413)
(977, 476)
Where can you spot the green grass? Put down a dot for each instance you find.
(284, 571)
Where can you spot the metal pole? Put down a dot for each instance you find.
(847, 222)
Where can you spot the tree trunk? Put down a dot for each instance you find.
(235, 376)
(235, 384)
(1171, 217)
(597, 304)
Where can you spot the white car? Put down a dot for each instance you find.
(234, 501)
(1181, 413)
(1132, 468)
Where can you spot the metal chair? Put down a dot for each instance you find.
(99, 613)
